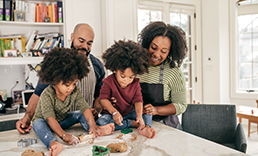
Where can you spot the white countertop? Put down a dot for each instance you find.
(168, 141)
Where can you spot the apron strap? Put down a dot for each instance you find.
(161, 73)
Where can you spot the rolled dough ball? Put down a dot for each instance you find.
(118, 147)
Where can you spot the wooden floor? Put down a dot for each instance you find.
(252, 141)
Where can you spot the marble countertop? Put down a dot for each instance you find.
(168, 141)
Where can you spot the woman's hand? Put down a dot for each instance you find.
(149, 109)
(140, 122)
(117, 117)
(70, 139)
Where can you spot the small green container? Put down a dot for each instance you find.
(100, 151)
(126, 131)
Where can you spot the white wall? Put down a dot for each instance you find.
(9, 75)
(211, 48)
(216, 41)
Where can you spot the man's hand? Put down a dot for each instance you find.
(94, 113)
(23, 125)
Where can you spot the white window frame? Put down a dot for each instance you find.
(235, 93)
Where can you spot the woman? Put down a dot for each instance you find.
(163, 88)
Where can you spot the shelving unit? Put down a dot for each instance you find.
(20, 60)
(30, 23)
(15, 68)
(25, 29)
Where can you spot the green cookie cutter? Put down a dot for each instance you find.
(126, 131)
(100, 151)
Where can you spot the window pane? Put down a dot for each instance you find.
(255, 46)
(245, 75)
(184, 22)
(184, 68)
(245, 47)
(156, 16)
(190, 75)
(189, 25)
(189, 52)
(175, 19)
(189, 96)
(255, 23)
(143, 18)
(187, 71)
(255, 76)
(245, 23)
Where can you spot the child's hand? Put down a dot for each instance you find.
(94, 130)
(117, 117)
(70, 139)
(140, 122)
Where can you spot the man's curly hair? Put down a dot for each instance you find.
(175, 34)
(124, 54)
(63, 64)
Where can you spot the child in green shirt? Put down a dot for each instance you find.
(61, 68)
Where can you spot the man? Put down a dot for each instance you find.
(82, 40)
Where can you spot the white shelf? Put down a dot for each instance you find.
(20, 60)
(30, 23)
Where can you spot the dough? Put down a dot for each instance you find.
(28, 152)
(118, 147)
(133, 137)
(41, 153)
(86, 137)
(31, 152)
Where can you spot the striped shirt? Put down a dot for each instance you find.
(174, 85)
(50, 105)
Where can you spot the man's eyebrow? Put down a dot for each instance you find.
(85, 40)
(82, 38)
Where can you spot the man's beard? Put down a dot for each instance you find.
(83, 49)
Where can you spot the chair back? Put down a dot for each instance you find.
(215, 122)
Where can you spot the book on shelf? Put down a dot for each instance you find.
(31, 12)
(2, 46)
(44, 41)
(1, 10)
(7, 10)
(61, 41)
(17, 43)
(60, 11)
(35, 12)
(31, 40)
(50, 13)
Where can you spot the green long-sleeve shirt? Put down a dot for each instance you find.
(174, 85)
(49, 105)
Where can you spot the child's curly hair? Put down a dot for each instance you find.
(124, 54)
(175, 34)
(63, 64)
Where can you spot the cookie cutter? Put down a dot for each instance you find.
(126, 131)
(26, 142)
(100, 151)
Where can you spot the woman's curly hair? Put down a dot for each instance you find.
(124, 54)
(175, 34)
(63, 64)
